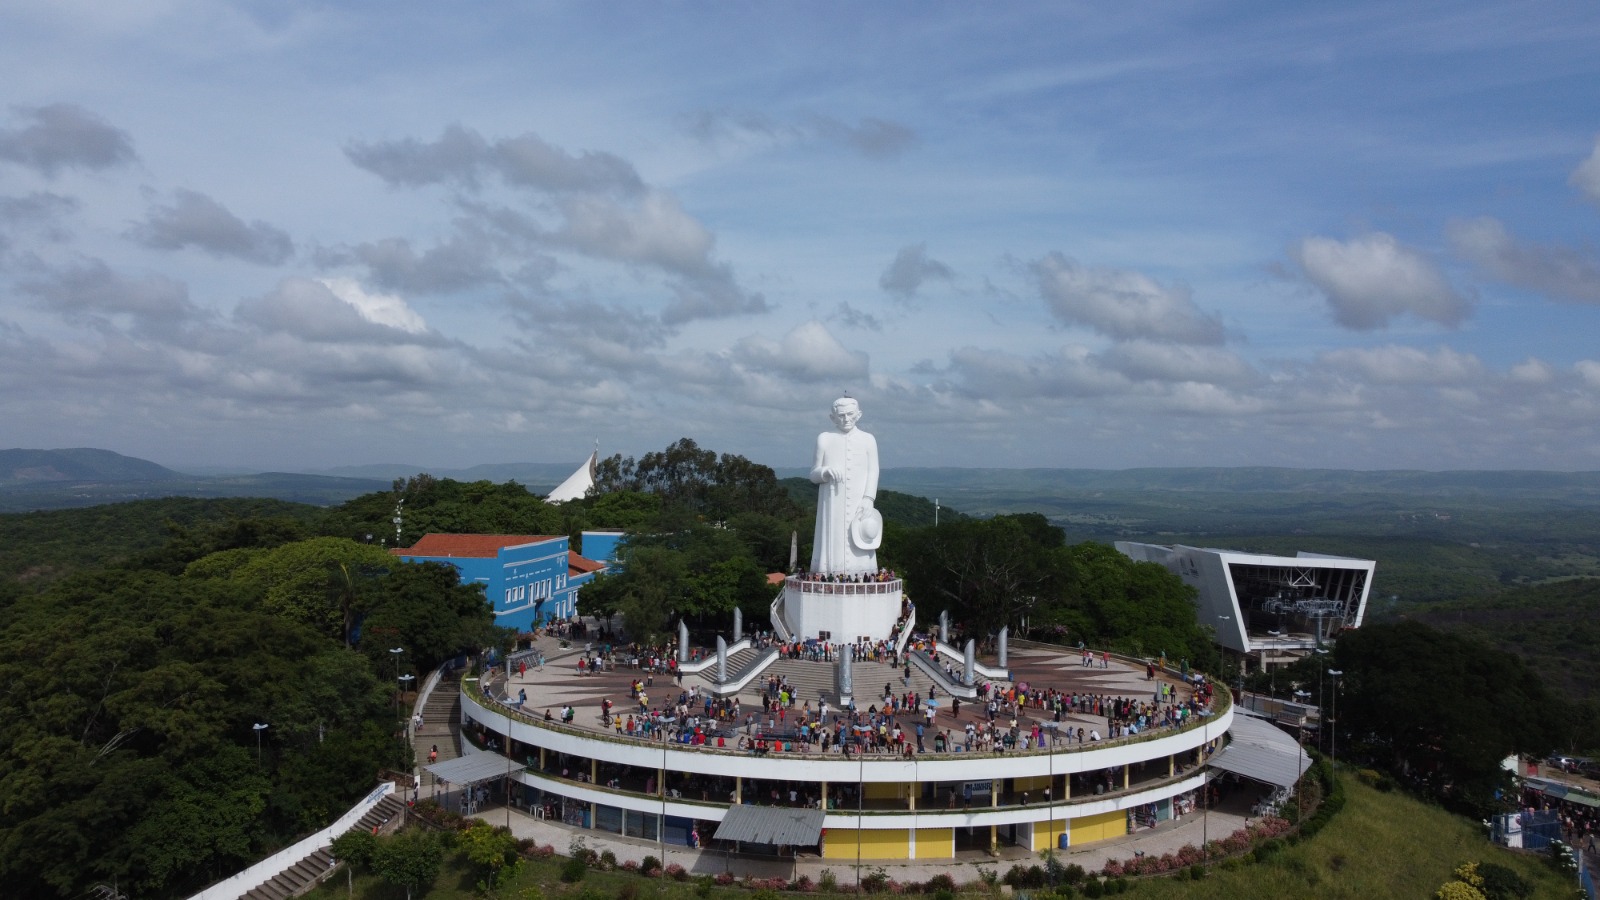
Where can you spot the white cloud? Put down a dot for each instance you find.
(810, 353)
(1532, 371)
(90, 287)
(1123, 305)
(63, 136)
(1151, 361)
(334, 310)
(195, 220)
(1558, 272)
(1372, 279)
(1396, 364)
(1586, 177)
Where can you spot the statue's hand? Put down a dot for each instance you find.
(827, 474)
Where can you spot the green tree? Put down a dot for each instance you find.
(411, 859)
(493, 851)
(1441, 708)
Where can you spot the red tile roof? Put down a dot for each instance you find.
(582, 565)
(776, 578)
(475, 545)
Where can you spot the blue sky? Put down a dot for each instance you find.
(290, 236)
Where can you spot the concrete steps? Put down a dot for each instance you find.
(314, 869)
(438, 729)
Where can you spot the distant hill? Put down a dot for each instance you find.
(63, 479)
(537, 477)
(38, 467)
(1567, 486)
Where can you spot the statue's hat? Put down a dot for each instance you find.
(866, 532)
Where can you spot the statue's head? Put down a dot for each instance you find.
(846, 412)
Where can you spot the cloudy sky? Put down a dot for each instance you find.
(290, 235)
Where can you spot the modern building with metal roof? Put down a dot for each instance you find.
(1272, 609)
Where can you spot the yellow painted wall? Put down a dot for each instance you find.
(885, 790)
(1045, 833)
(1034, 783)
(936, 843)
(1088, 829)
(893, 843)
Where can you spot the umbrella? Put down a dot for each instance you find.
(931, 702)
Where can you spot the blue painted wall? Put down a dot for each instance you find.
(526, 584)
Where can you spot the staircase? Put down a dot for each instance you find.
(314, 869)
(438, 729)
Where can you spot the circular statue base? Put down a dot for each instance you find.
(842, 612)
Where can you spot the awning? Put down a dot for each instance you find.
(776, 825)
(473, 768)
(1258, 750)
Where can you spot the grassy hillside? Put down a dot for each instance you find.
(1380, 845)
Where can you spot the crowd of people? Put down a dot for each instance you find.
(882, 576)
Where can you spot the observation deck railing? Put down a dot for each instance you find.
(806, 585)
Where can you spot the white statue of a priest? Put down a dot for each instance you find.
(845, 471)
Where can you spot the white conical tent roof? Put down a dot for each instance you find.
(577, 484)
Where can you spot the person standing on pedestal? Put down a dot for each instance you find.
(845, 470)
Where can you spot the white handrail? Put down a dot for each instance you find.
(706, 662)
(269, 868)
(905, 633)
(779, 627)
(757, 666)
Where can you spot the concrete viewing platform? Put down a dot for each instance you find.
(558, 684)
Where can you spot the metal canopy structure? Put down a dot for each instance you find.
(474, 768)
(777, 825)
(1260, 751)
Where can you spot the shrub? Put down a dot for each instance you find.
(1196, 873)
(573, 870)
(1120, 885)
(649, 863)
(941, 882)
(1073, 873)
(608, 860)
(1093, 888)
(725, 879)
(827, 881)
(676, 872)
(631, 866)
(628, 891)
(1501, 883)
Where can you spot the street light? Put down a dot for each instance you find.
(1333, 733)
(405, 726)
(259, 727)
(1321, 665)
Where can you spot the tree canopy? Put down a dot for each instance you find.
(1443, 708)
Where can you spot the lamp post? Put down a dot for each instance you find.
(1322, 664)
(861, 776)
(405, 726)
(1205, 798)
(395, 652)
(259, 727)
(1333, 721)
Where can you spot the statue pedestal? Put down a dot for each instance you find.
(842, 612)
